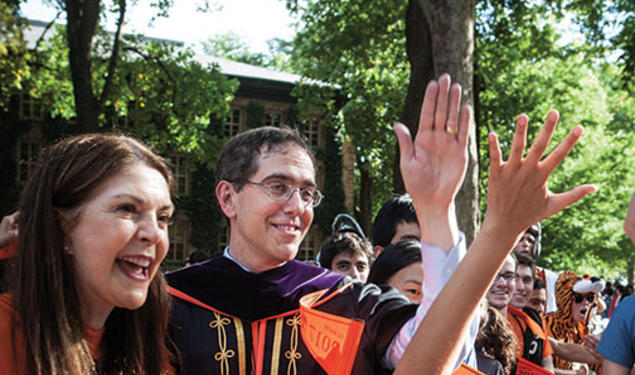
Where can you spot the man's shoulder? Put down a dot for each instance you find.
(224, 285)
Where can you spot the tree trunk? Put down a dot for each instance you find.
(82, 17)
(440, 38)
(365, 188)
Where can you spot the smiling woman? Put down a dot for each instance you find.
(85, 295)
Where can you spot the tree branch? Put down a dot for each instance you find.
(114, 56)
(46, 29)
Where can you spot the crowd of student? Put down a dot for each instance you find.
(556, 328)
(85, 294)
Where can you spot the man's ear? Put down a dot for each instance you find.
(377, 250)
(225, 195)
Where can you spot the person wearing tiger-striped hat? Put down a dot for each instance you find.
(575, 298)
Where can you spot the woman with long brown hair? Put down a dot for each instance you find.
(85, 295)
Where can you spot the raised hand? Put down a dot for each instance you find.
(518, 195)
(9, 229)
(433, 166)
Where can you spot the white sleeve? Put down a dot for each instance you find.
(438, 267)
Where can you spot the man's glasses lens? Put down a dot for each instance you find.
(282, 191)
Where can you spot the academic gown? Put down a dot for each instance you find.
(225, 320)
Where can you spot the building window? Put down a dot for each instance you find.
(273, 119)
(30, 108)
(28, 155)
(179, 236)
(311, 132)
(308, 248)
(181, 170)
(232, 123)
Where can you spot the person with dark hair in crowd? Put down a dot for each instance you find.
(347, 253)
(496, 344)
(534, 345)
(395, 221)
(399, 266)
(525, 269)
(538, 300)
(520, 300)
(198, 256)
(530, 245)
(85, 295)
(240, 311)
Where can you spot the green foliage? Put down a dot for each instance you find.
(521, 64)
(14, 56)
(585, 237)
(160, 93)
(360, 47)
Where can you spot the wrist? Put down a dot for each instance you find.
(438, 226)
(498, 236)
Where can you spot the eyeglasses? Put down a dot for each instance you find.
(281, 191)
(590, 297)
(507, 276)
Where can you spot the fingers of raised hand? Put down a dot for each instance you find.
(562, 150)
(404, 140)
(542, 141)
(426, 118)
(441, 109)
(452, 124)
(558, 202)
(464, 128)
(520, 139)
(494, 153)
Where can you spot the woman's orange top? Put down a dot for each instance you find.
(14, 362)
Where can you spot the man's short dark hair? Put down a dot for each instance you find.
(340, 242)
(398, 209)
(526, 261)
(238, 160)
